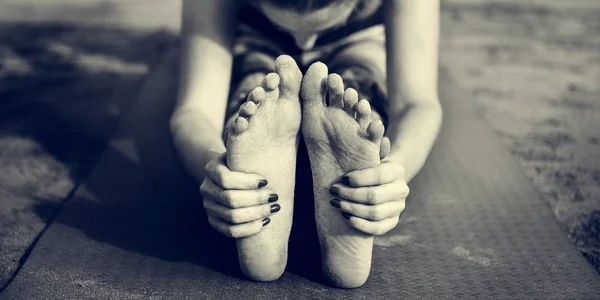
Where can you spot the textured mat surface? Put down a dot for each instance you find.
(474, 228)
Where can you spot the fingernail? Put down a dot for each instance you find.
(346, 180)
(334, 190)
(266, 221)
(347, 216)
(262, 183)
(335, 202)
(273, 198)
(275, 208)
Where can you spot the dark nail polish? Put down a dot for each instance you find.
(335, 202)
(346, 180)
(273, 198)
(262, 183)
(275, 208)
(266, 221)
(347, 216)
(334, 190)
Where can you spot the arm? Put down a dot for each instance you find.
(235, 203)
(197, 123)
(372, 199)
(412, 38)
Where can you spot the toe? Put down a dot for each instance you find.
(248, 109)
(270, 82)
(335, 90)
(363, 112)
(314, 85)
(257, 95)
(290, 76)
(240, 125)
(350, 99)
(375, 131)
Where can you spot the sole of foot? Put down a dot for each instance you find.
(340, 137)
(263, 140)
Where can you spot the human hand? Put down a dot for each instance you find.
(371, 200)
(237, 204)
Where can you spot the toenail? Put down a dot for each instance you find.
(273, 197)
(334, 190)
(346, 180)
(335, 203)
(262, 183)
(266, 221)
(275, 208)
(347, 216)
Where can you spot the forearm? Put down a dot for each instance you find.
(198, 119)
(412, 38)
(412, 135)
(195, 140)
(205, 74)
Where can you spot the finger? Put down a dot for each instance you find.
(236, 198)
(240, 215)
(239, 230)
(377, 212)
(381, 174)
(372, 227)
(385, 147)
(372, 195)
(220, 174)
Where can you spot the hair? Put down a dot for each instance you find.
(303, 6)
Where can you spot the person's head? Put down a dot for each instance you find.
(304, 20)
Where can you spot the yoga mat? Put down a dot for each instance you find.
(474, 227)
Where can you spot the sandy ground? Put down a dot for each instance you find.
(533, 67)
(535, 70)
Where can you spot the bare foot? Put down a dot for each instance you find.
(340, 138)
(264, 140)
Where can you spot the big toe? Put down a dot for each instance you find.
(289, 74)
(314, 84)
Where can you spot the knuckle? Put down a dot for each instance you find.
(206, 204)
(209, 166)
(234, 217)
(232, 232)
(401, 205)
(392, 225)
(224, 180)
(375, 214)
(203, 193)
(401, 209)
(228, 198)
(406, 190)
(204, 187)
(372, 196)
(381, 229)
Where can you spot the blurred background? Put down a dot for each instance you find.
(68, 68)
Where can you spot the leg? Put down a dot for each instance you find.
(340, 137)
(135, 228)
(261, 130)
(346, 253)
(263, 140)
(362, 66)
